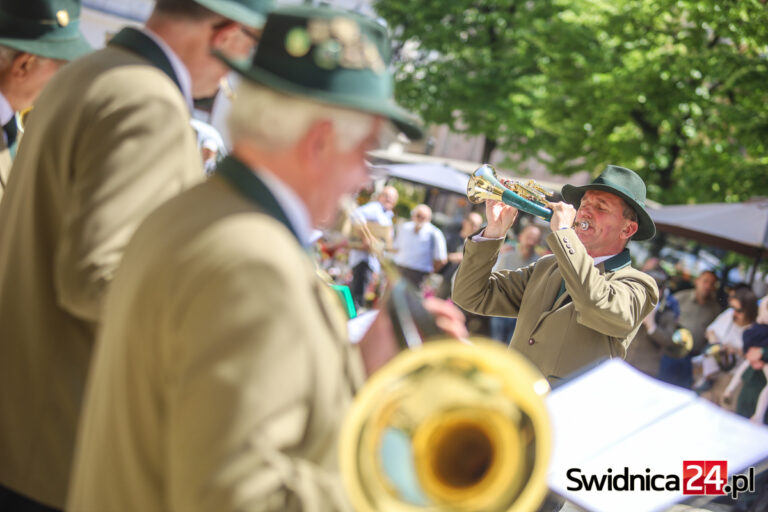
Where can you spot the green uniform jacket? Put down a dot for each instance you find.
(223, 370)
(108, 142)
(598, 313)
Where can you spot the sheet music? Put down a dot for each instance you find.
(615, 417)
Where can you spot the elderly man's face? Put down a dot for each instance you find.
(608, 229)
(347, 173)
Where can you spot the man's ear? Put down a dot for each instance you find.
(630, 229)
(224, 34)
(22, 64)
(317, 148)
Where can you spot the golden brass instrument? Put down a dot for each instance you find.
(21, 118)
(449, 426)
(682, 340)
(445, 425)
(484, 184)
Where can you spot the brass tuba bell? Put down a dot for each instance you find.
(530, 197)
(449, 426)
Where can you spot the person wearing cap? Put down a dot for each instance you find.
(109, 141)
(582, 303)
(752, 374)
(36, 38)
(224, 369)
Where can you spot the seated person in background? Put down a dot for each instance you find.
(726, 330)
(698, 308)
(378, 217)
(753, 373)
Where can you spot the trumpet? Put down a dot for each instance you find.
(530, 197)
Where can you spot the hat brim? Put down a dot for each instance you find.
(235, 12)
(401, 118)
(646, 229)
(70, 48)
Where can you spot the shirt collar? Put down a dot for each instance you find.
(601, 259)
(289, 201)
(182, 73)
(6, 111)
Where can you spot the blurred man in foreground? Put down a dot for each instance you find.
(109, 141)
(36, 38)
(223, 370)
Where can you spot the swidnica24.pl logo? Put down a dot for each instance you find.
(704, 477)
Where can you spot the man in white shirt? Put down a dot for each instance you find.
(378, 215)
(419, 246)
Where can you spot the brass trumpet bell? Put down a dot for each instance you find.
(530, 197)
(449, 426)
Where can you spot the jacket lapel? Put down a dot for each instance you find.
(555, 282)
(250, 186)
(141, 44)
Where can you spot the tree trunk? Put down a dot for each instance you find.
(488, 146)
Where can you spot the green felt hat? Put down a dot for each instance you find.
(248, 12)
(331, 56)
(48, 28)
(624, 183)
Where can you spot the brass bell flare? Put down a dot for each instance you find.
(530, 197)
(449, 426)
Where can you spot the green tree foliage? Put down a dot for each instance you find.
(674, 89)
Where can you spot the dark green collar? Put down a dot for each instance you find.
(141, 44)
(618, 261)
(11, 130)
(250, 186)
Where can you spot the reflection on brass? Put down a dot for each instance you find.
(449, 426)
(529, 197)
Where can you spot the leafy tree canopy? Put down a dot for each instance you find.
(675, 89)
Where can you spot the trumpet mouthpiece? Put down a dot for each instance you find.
(583, 225)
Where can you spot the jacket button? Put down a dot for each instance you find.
(565, 240)
(531, 341)
(571, 251)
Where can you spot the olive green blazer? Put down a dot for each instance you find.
(108, 142)
(597, 314)
(223, 370)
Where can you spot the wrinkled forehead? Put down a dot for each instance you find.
(601, 196)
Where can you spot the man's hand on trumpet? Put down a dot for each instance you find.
(500, 218)
(563, 215)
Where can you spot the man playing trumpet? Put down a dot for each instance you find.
(582, 303)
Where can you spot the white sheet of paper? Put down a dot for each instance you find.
(615, 417)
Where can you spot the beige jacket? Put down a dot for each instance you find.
(5, 165)
(223, 372)
(597, 315)
(109, 141)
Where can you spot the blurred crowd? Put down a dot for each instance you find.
(705, 334)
